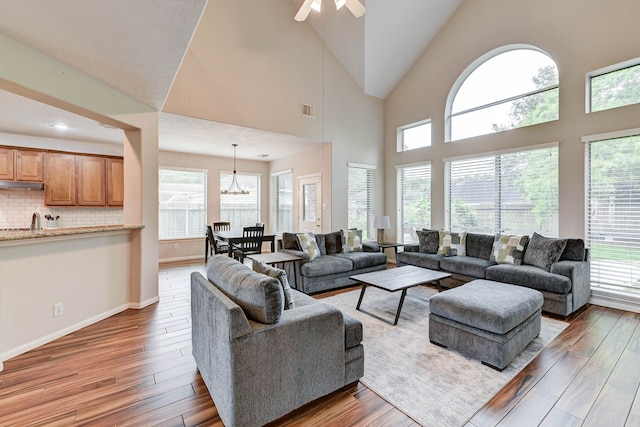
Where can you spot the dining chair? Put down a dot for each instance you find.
(220, 246)
(251, 243)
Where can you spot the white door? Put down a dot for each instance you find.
(309, 203)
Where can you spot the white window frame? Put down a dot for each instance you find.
(401, 135)
(401, 196)
(601, 71)
(275, 198)
(195, 233)
(367, 232)
(236, 224)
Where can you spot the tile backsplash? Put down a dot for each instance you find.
(17, 207)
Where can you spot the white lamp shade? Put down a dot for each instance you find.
(381, 222)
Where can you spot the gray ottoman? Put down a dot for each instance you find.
(486, 320)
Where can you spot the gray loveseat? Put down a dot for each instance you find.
(332, 268)
(558, 268)
(258, 360)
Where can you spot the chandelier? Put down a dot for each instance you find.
(353, 5)
(234, 188)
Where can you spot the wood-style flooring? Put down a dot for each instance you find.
(136, 369)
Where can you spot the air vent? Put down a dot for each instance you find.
(308, 110)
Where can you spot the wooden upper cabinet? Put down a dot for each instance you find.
(28, 165)
(91, 183)
(60, 179)
(115, 182)
(6, 164)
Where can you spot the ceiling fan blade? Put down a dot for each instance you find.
(304, 11)
(356, 8)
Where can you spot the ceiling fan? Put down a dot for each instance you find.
(353, 5)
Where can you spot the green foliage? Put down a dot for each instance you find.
(615, 89)
(463, 215)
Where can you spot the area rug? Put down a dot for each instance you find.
(431, 384)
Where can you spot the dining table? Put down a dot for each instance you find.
(234, 236)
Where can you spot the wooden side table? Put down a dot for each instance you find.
(274, 258)
(386, 245)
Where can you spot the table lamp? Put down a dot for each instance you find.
(381, 223)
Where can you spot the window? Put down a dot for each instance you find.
(614, 86)
(416, 135)
(613, 215)
(507, 193)
(414, 201)
(504, 90)
(282, 203)
(241, 210)
(361, 198)
(182, 198)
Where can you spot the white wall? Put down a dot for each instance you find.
(579, 35)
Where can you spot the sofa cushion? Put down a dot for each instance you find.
(452, 244)
(574, 251)
(351, 240)
(508, 249)
(428, 241)
(326, 265)
(307, 242)
(321, 242)
(260, 296)
(290, 241)
(479, 245)
(420, 259)
(544, 251)
(279, 274)
(364, 259)
(333, 243)
(529, 276)
(465, 265)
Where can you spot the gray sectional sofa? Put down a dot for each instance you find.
(559, 268)
(259, 360)
(333, 267)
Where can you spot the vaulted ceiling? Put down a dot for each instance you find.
(137, 47)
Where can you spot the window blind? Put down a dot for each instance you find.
(414, 201)
(506, 193)
(182, 209)
(613, 214)
(361, 192)
(282, 185)
(241, 210)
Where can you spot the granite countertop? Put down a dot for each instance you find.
(56, 232)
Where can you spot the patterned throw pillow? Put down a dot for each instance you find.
(351, 241)
(281, 275)
(509, 249)
(452, 244)
(308, 244)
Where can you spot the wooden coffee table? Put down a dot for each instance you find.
(399, 279)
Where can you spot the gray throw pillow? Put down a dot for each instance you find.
(544, 251)
(290, 241)
(428, 241)
(281, 275)
(333, 242)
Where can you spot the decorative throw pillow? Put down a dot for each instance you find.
(544, 251)
(452, 244)
(281, 275)
(428, 241)
(509, 249)
(333, 242)
(351, 240)
(308, 244)
(290, 241)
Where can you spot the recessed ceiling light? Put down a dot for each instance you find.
(262, 156)
(107, 126)
(60, 126)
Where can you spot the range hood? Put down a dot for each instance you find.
(18, 185)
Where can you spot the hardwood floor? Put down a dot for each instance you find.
(136, 369)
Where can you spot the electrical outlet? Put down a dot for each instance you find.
(58, 309)
(176, 246)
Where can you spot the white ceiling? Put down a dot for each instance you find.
(137, 47)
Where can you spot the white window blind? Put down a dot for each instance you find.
(241, 210)
(613, 215)
(182, 211)
(414, 201)
(282, 185)
(361, 192)
(507, 193)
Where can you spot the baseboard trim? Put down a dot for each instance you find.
(143, 304)
(182, 258)
(58, 334)
(617, 300)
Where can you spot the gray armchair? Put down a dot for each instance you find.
(259, 361)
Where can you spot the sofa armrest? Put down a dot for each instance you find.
(370, 247)
(580, 274)
(301, 254)
(411, 247)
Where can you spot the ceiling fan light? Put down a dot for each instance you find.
(316, 5)
(340, 3)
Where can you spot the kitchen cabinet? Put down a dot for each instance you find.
(28, 165)
(6, 164)
(60, 179)
(115, 182)
(90, 182)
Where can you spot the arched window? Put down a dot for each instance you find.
(510, 87)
